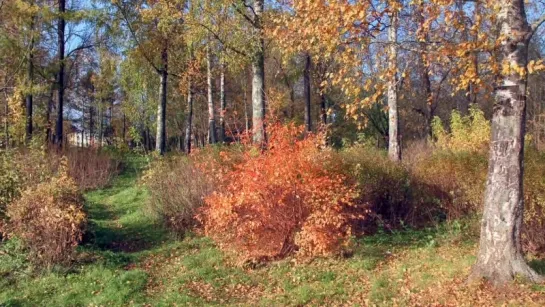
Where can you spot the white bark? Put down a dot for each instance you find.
(223, 102)
(160, 145)
(500, 256)
(394, 148)
(258, 79)
(212, 139)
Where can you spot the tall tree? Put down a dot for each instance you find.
(189, 116)
(258, 77)
(212, 137)
(160, 139)
(500, 257)
(223, 101)
(30, 79)
(60, 74)
(306, 81)
(394, 146)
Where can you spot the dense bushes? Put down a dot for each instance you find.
(91, 168)
(469, 133)
(299, 197)
(281, 201)
(177, 188)
(390, 191)
(49, 219)
(458, 166)
(20, 169)
(10, 183)
(534, 197)
(460, 176)
(40, 202)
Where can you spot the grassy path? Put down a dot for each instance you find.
(120, 233)
(131, 261)
(119, 221)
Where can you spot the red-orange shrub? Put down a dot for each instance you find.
(281, 201)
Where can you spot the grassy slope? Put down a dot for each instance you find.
(132, 261)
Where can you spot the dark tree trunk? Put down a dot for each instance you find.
(323, 107)
(189, 124)
(124, 128)
(258, 79)
(160, 145)
(60, 75)
(82, 129)
(246, 117)
(6, 124)
(100, 124)
(306, 81)
(425, 69)
(30, 77)
(91, 126)
(500, 258)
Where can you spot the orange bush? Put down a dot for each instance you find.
(281, 201)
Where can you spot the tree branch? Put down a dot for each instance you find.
(535, 26)
(133, 34)
(217, 36)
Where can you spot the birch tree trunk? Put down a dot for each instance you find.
(223, 102)
(500, 256)
(60, 75)
(160, 142)
(258, 79)
(394, 148)
(306, 81)
(212, 138)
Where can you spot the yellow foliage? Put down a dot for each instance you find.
(49, 219)
(469, 133)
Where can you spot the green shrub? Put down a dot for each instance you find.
(49, 219)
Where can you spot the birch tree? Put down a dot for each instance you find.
(500, 257)
(394, 146)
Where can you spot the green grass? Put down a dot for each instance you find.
(130, 260)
